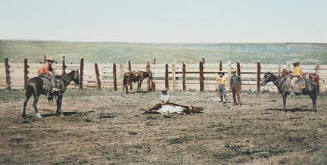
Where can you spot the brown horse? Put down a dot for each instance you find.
(135, 76)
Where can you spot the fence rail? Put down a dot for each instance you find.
(200, 76)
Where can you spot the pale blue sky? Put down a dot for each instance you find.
(213, 21)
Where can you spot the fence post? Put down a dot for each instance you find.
(203, 60)
(154, 61)
(184, 77)
(230, 73)
(279, 69)
(81, 68)
(97, 75)
(114, 77)
(147, 67)
(201, 76)
(25, 71)
(238, 68)
(258, 76)
(166, 78)
(121, 76)
(8, 84)
(130, 69)
(63, 65)
(174, 75)
(317, 70)
(220, 65)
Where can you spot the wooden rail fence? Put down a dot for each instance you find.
(179, 76)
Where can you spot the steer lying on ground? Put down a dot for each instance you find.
(174, 108)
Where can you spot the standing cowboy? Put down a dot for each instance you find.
(48, 72)
(222, 82)
(296, 74)
(235, 83)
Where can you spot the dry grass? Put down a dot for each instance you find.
(105, 127)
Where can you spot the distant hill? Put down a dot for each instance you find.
(108, 52)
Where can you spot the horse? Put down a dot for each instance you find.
(135, 76)
(35, 86)
(283, 85)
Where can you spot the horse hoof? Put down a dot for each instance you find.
(60, 114)
(38, 115)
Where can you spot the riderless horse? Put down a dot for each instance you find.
(41, 86)
(283, 84)
(136, 76)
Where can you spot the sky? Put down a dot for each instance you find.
(165, 21)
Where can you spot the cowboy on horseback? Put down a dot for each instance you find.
(222, 82)
(48, 72)
(296, 74)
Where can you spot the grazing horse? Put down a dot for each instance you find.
(283, 85)
(36, 86)
(135, 76)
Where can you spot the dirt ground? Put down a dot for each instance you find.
(106, 127)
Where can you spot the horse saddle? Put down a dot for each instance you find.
(300, 84)
(46, 84)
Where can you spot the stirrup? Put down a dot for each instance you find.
(55, 90)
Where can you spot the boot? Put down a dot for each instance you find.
(235, 103)
(225, 102)
(221, 99)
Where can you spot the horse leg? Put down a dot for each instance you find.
(139, 86)
(314, 100)
(36, 100)
(126, 88)
(284, 102)
(234, 95)
(137, 89)
(59, 104)
(238, 91)
(28, 96)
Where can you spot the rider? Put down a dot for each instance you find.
(48, 72)
(222, 82)
(296, 74)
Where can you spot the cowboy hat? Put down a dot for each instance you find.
(50, 59)
(296, 61)
(221, 72)
(233, 70)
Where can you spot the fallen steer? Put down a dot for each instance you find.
(174, 108)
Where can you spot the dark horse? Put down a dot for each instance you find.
(283, 85)
(35, 87)
(135, 76)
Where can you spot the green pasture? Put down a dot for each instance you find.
(103, 52)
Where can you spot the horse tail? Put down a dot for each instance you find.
(30, 88)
